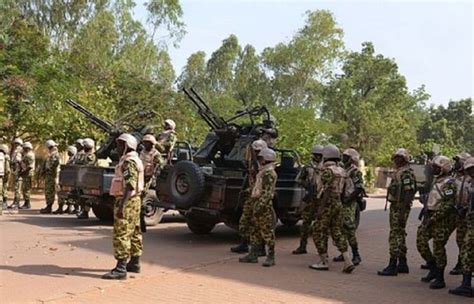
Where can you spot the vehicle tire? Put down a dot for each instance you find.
(199, 227)
(153, 214)
(289, 222)
(357, 216)
(103, 211)
(185, 184)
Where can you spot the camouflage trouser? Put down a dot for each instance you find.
(439, 231)
(397, 236)
(26, 187)
(263, 219)
(127, 235)
(330, 221)
(308, 215)
(17, 187)
(349, 226)
(461, 229)
(245, 222)
(1, 190)
(467, 249)
(3, 193)
(50, 187)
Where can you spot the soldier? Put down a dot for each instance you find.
(167, 140)
(3, 166)
(462, 204)
(127, 185)
(263, 214)
(88, 158)
(50, 171)
(400, 194)
(329, 216)
(310, 179)
(27, 173)
(439, 221)
(245, 221)
(17, 155)
(269, 132)
(151, 158)
(79, 155)
(6, 175)
(71, 154)
(467, 249)
(350, 159)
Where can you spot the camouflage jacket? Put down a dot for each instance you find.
(51, 165)
(28, 164)
(265, 184)
(165, 143)
(402, 186)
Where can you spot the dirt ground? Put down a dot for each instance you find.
(60, 259)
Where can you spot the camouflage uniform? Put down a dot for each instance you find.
(467, 248)
(16, 171)
(166, 142)
(51, 168)
(400, 196)
(152, 160)
(3, 166)
(349, 208)
(127, 239)
(263, 214)
(310, 179)
(27, 174)
(5, 178)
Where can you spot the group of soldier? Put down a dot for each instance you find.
(335, 188)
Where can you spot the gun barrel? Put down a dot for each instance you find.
(203, 109)
(102, 124)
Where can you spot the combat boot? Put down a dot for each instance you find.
(390, 270)
(457, 270)
(241, 248)
(425, 266)
(14, 205)
(348, 266)
(119, 272)
(302, 248)
(261, 252)
(83, 215)
(134, 264)
(46, 210)
(339, 258)
(356, 259)
(69, 209)
(432, 274)
(59, 210)
(322, 264)
(251, 257)
(270, 260)
(76, 210)
(465, 289)
(403, 265)
(26, 205)
(438, 283)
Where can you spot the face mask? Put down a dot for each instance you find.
(436, 170)
(346, 159)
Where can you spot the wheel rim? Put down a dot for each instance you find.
(182, 184)
(150, 209)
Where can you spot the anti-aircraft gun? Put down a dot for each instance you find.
(210, 189)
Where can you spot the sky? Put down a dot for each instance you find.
(431, 41)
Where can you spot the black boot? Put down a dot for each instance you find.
(438, 283)
(119, 272)
(77, 209)
(432, 274)
(390, 270)
(261, 252)
(134, 265)
(83, 215)
(69, 209)
(241, 248)
(251, 257)
(339, 258)
(4, 204)
(302, 248)
(457, 270)
(356, 259)
(26, 205)
(46, 210)
(425, 266)
(465, 289)
(270, 261)
(403, 265)
(59, 210)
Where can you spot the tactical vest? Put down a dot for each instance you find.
(340, 177)
(257, 189)
(463, 198)
(2, 164)
(118, 185)
(25, 165)
(48, 163)
(439, 192)
(147, 158)
(395, 187)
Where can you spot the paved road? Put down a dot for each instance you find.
(59, 259)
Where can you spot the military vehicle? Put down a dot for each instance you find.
(209, 188)
(92, 183)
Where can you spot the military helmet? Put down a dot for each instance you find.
(88, 143)
(353, 154)
(72, 150)
(51, 143)
(268, 154)
(80, 142)
(170, 123)
(259, 144)
(129, 140)
(317, 149)
(149, 138)
(331, 152)
(27, 145)
(469, 163)
(403, 153)
(18, 141)
(461, 157)
(4, 148)
(443, 162)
